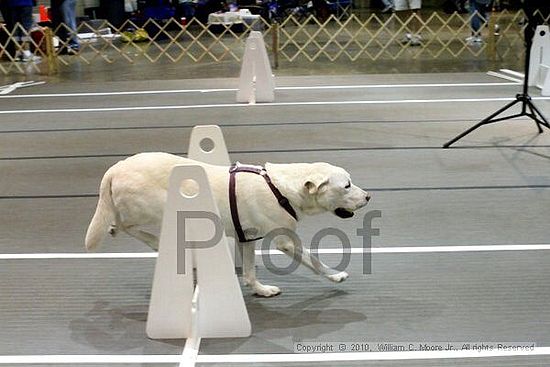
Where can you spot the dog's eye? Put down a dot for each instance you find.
(348, 185)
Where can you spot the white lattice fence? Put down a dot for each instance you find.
(345, 37)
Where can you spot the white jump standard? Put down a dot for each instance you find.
(540, 60)
(256, 83)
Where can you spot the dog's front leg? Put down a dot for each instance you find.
(304, 256)
(249, 273)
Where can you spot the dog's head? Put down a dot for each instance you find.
(330, 189)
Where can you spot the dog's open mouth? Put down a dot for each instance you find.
(343, 213)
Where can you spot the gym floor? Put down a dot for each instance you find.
(428, 281)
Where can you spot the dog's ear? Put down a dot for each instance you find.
(314, 186)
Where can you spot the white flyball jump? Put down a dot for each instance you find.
(539, 67)
(207, 145)
(215, 307)
(256, 83)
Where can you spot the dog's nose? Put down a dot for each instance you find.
(367, 198)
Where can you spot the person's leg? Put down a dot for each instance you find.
(404, 24)
(57, 20)
(410, 16)
(188, 10)
(416, 22)
(20, 20)
(68, 10)
(23, 15)
(484, 14)
(407, 12)
(179, 11)
(321, 10)
(15, 16)
(401, 11)
(478, 14)
(388, 5)
(475, 21)
(7, 47)
(26, 18)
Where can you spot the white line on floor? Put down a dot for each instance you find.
(363, 356)
(354, 250)
(269, 358)
(275, 104)
(214, 90)
(376, 86)
(89, 359)
(122, 93)
(427, 249)
(99, 255)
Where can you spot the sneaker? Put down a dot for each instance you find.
(473, 40)
(27, 56)
(416, 40)
(406, 39)
(412, 40)
(72, 50)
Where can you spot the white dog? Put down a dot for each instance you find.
(133, 193)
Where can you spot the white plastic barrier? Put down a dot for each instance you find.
(256, 83)
(540, 60)
(207, 145)
(219, 309)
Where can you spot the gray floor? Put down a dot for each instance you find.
(494, 189)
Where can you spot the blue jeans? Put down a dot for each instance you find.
(68, 12)
(478, 11)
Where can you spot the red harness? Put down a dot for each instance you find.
(283, 201)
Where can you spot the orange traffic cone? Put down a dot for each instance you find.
(43, 13)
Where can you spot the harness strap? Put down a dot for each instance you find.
(283, 201)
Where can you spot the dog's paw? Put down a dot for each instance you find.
(267, 291)
(338, 278)
(113, 230)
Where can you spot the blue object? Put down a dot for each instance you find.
(14, 3)
(159, 11)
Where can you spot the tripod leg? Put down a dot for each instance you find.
(533, 116)
(485, 121)
(544, 121)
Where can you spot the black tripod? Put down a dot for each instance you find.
(528, 108)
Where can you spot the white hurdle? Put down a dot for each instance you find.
(256, 83)
(215, 308)
(207, 145)
(540, 60)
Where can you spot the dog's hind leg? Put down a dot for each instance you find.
(249, 273)
(146, 237)
(304, 256)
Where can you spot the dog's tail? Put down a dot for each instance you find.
(104, 216)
